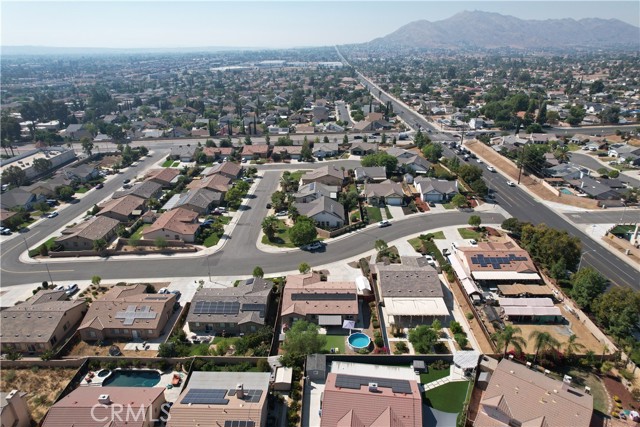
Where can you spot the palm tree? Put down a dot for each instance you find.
(543, 341)
(270, 226)
(572, 345)
(510, 336)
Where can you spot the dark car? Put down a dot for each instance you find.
(99, 186)
(268, 205)
(126, 181)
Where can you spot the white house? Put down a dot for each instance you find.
(327, 213)
(434, 190)
(325, 149)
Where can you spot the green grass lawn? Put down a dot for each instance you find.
(469, 234)
(175, 164)
(374, 214)
(433, 375)
(138, 233)
(449, 397)
(49, 244)
(574, 147)
(448, 206)
(584, 378)
(415, 243)
(295, 176)
(281, 238)
(212, 240)
(82, 190)
(386, 209)
(334, 341)
(167, 163)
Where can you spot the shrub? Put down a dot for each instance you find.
(263, 365)
(461, 339)
(10, 375)
(469, 315)
(402, 347)
(377, 339)
(455, 327)
(375, 324)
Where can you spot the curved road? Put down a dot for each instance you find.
(239, 255)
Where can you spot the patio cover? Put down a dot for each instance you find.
(466, 359)
(415, 307)
(362, 284)
(329, 320)
(526, 302)
(467, 283)
(532, 311)
(349, 324)
(519, 289)
(504, 275)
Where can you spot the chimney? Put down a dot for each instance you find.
(104, 399)
(373, 387)
(239, 391)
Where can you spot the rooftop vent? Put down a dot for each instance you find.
(373, 387)
(104, 399)
(240, 391)
(567, 379)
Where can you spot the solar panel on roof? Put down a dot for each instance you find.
(323, 296)
(254, 307)
(355, 382)
(239, 423)
(201, 396)
(216, 307)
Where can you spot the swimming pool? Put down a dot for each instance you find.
(359, 341)
(566, 191)
(131, 378)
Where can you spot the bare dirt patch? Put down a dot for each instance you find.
(89, 349)
(41, 385)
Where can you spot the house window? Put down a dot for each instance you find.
(177, 237)
(349, 317)
(92, 334)
(253, 328)
(54, 340)
(149, 331)
(197, 324)
(116, 331)
(64, 327)
(75, 244)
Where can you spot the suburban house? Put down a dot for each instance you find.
(19, 198)
(326, 212)
(230, 311)
(293, 152)
(82, 173)
(368, 395)
(308, 297)
(145, 190)
(363, 148)
(82, 236)
(14, 411)
(184, 153)
(216, 182)
(107, 406)
(41, 322)
(593, 188)
(225, 399)
(200, 200)
(328, 175)
(229, 170)
(6, 215)
(370, 174)
(518, 395)
(412, 293)
(491, 263)
(48, 188)
(315, 190)
(166, 177)
(176, 224)
(325, 149)
(541, 138)
(435, 190)
(625, 152)
(384, 193)
(410, 159)
(125, 209)
(77, 132)
(214, 153)
(320, 113)
(251, 152)
(125, 313)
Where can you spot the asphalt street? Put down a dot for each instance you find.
(343, 112)
(587, 161)
(524, 207)
(619, 216)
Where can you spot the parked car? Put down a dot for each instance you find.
(384, 223)
(432, 205)
(282, 213)
(207, 223)
(52, 215)
(312, 246)
(511, 184)
(244, 160)
(445, 252)
(163, 291)
(60, 288)
(99, 186)
(268, 205)
(177, 294)
(71, 289)
(5, 231)
(126, 181)
(491, 169)
(430, 260)
(473, 242)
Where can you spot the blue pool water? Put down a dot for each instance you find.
(124, 378)
(565, 191)
(359, 340)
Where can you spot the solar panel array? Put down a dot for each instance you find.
(203, 396)
(250, 395)
(132, 314)
(229, 423)
(255, 307)
(160, 298)
(335, 296)
(217, 307)
(495, 262)
(355, 382)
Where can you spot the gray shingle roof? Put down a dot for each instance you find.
(413, 278)
(323, 204)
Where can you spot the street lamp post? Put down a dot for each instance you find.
(582, 256)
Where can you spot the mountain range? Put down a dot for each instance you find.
(476, 29)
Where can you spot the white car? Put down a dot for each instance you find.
(52, 215)
(430, 260)
(511, 184)
(282, 213)
(384, 223)
(473, 242)
(312, 246)
(71, 289)
(163, 291)
(491, 169)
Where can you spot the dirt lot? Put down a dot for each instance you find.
(109, 161)
(532, 183)
(42, 386)
(562, 333)
(86, 349)
(483, 342)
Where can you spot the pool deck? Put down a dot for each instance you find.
(170, 394)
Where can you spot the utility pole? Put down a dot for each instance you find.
(49, 272)
(521, 163)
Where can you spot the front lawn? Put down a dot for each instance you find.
(386, 209)
(448, 206)
(138, 233)
(167, 163)
(214, 238)
(374, 214)
(465, 233)
(449, 397)
(295, 176)
(82, 190)
(281, 239)
(50, 244)
(334, 341)
(433, 375)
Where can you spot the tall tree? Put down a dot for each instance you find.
(572, 345)
(588, 284)
(14, 175)
(270, 226)
(543, 342)
(87, 145)
(509, 336)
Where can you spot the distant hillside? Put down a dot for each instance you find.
(48, 50)
(492, 30)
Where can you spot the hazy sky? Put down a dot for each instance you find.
(126, 24)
